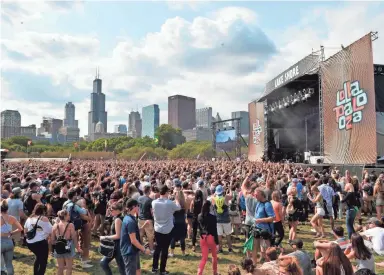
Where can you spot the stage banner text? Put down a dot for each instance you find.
(256, 131)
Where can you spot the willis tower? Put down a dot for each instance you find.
(97, 112)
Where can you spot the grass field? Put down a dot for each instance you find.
(177, 265)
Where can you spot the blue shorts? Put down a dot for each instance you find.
(131, 263)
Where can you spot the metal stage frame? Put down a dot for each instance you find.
(215, 128)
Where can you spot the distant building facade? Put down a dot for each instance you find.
(121, 129)
(244, 122)
(198, 134)
(182, 112)
(97, 112)
(68, 134)
(204, 117)
(150, 120)
(69, 116)
(49, 129)
(134, 124)
(10, 123)
(28, 131)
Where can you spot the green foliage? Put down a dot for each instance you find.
(169, 137)
(136, 152)
(22, 141)
(193, 149)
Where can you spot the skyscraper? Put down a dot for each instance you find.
(69, 115)
(204, 117)
(121, 129)
(134, 125)
(182, 112)
(151, 120)
(244, 122)
(97, 112)
(10, 123)
(49, 128)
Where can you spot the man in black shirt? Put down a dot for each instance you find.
(146, 217)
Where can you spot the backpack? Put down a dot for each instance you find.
(62, 245)
(233, 206)
(242, 202)
(29, 203)
(74, 216)
(368, 188)
(220, 204)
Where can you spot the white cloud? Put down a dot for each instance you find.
(222, 60)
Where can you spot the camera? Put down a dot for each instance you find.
(261, 233)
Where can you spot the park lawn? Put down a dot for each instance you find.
(177, 265)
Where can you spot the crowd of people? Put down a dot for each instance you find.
(147, 207)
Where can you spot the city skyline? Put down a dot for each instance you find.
(221, 53)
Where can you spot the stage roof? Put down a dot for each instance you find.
(308, 65)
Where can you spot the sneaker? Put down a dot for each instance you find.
(86, 261)
(164, 273)
(154, 271)
(85, 265)
(171, 255)
(230, 250)
(152, 252)
(221, 251)
(313, 230)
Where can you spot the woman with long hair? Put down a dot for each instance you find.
(333, 261)
(292, 214)
(196, 206)
(209, 239)
(64, 230)
(38, 243)
(351, 203)
(359, 252)
(180, 226)
(288, 265)
(278, 222)
(9, 226)
(317, 219)
(378, 193)
(117, 214)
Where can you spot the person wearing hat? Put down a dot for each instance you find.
(301, 255)
(130, 245)
(224, 227)
(374, 236)
(16, 209)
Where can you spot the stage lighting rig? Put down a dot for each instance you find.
(286, 102)
(280, 105)
(296, 99)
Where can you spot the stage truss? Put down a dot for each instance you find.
(216, 126)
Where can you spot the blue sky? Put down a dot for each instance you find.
(222, 53)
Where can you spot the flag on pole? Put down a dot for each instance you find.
(105, 145)
(29, 142)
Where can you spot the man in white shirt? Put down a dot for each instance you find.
(374, 236)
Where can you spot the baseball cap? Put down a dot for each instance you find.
(375, 221)
(178, 184)
(16, 190)
(201, 183)
(219, 190)
(295, 180)
(131, 203)
(298, 242)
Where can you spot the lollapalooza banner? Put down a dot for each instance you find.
(349, 105)
(256, 131)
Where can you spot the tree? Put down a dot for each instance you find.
(22, 141)
(169, 137)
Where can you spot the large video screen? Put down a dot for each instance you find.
(226, 140)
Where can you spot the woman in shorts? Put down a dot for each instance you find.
(317, 219)
(66, 230)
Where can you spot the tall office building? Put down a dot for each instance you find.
(134, 125)
(204, 117)
(151, 120)
(182, 112)
(28, 131)
(97, 112)
(10, 123)
(69, 116)
(121, 129)
(244, 122)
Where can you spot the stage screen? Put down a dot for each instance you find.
(226, 140)
(256, 131)
(349, 105)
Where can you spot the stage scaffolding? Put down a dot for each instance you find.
(216, 126)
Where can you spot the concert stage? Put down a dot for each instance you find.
(333, 108)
